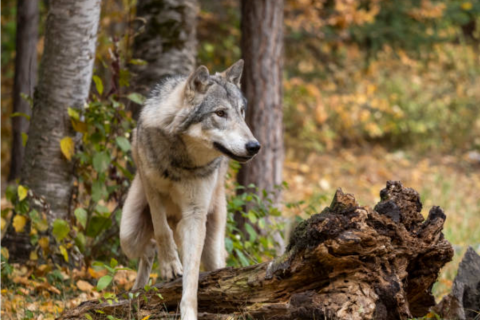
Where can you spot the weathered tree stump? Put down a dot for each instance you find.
(348, 262)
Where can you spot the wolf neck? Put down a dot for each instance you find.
(190, 160)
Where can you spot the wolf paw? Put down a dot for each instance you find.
(171, 269)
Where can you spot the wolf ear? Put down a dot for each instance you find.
(198, 82)
(234, 73)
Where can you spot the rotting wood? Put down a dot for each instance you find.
(348, 262)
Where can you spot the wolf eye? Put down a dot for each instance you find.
(220, 113)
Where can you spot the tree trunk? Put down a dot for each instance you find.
(168, 41)
(348, 262)
(65, 78)
(262, 48)
(25, 77)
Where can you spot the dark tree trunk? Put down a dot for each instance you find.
(168, 41)
(64, 82)
(348, 262)
(25, 77)
(262, 48)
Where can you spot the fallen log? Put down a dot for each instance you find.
(348, 262)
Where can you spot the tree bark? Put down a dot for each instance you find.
(262, 49)
(348, 262)
(65, 78)
(25, 77)
(168, 41)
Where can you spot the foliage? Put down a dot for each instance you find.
(402, 102)
(256, 244)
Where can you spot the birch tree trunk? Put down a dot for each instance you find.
(25, 77)
(168, 41)
(65, 77)
(262, 47)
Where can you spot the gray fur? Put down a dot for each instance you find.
(177, 199)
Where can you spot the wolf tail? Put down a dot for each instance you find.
(136, 228)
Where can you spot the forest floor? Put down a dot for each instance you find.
(451, 182)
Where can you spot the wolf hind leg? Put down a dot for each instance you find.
(145, 266)
(136, 231)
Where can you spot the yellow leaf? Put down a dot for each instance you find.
(19, 223)
(146, 318)
(4, 224)
(22, 192)
(79, 126)
(33, 256)
(467, 6)
(43, 243)
(68, 147)
(84, 286)
(5, 253)
(97, 274)
(64, 253)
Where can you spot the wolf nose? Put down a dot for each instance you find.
(252, 147)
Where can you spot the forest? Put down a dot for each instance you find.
(367, 112)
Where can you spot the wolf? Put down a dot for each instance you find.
(187, 130)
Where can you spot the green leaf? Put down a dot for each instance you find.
(73, 113)
(138, 62)
(81, 216)
(123, 143)
(98, 191)
(229, 244)
(136, 97)
(103, 282)
(27, 98)
(89, 317)
(243, 260)
(80, 241)
(251, 232)
(98, 84)
(24, 139)
(252, 216)
(124, 78)
(60, 229)
(20, 114)
(98, 224)
(113, 263)
(101, 161)
(102, 211)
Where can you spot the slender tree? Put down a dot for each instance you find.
(168, 40)
(262, 46)
(25, 77)
(65, 78)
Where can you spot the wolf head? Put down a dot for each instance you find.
(213, 114)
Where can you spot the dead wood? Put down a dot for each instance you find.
(348, 262)
(464, 301)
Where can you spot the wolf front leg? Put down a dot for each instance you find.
(214, 253)
(168, 260)
(191, 229)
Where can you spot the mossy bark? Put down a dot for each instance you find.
(348, 262)
(167, 42)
